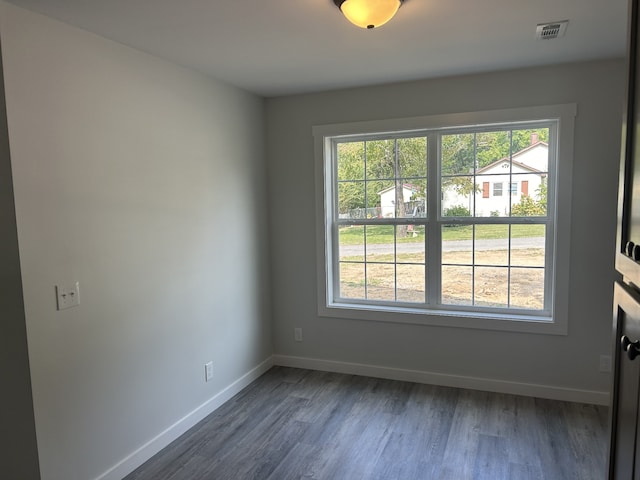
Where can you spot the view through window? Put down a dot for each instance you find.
(446, 218)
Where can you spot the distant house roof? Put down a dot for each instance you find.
(515, 162)
(498, 162)
(408, 186)
(531, 147)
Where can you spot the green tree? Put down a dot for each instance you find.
(458, 162)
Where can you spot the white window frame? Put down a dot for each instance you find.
(553, 321)
(497, 192)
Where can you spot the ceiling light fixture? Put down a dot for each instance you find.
(368, 13)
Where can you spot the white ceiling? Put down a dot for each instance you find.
(278, 47)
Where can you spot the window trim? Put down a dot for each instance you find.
(557, 322)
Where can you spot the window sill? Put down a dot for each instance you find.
(446, 318)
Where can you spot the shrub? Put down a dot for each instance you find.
(457, 211)
(528, 207)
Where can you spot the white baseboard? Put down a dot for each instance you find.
(472, 383)
(153, 446)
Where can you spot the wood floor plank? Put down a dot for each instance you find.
(298, 463)
(333, 411)
(490, 448)
(464, 435)
(525, 472)
(420, 433)
(525, 433)
(293, 424)
(556, 450)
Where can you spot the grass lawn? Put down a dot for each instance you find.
(353, 235)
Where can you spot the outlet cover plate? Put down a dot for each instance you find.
(605, 363)
(208, 371)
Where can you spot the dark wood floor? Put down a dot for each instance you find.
(293, 424)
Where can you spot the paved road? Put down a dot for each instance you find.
(447, 246)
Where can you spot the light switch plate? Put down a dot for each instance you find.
(68, 295)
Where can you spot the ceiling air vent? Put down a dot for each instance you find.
(547, 31)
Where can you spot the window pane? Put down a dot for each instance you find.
(456, 244)
(402, 199)
(530, 149)
(456, 257)
(492, 195)
(351, 200)
(351, 243)
(352, 283)
(530, 198)
(411, 283)
(457, 196)
(491, 245)
(415, 195)
(493, 173)
(491, 286)
(528, 245)
(380, 243)
(457, 154)
(381, 281)
(411, 248)
(457, 285)
(380, 159)
(381, 195)
(491, 148)
(412, 157)
(527, 288)
(351, 161)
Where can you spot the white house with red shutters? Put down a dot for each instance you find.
(503, 183)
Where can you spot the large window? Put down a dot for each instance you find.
(410, 231)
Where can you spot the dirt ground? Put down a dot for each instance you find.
(523, 288)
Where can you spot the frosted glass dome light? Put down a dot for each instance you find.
(368, 13)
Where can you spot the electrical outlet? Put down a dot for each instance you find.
(605, 363)
(297, 334)
(68, 295)
(208, 371)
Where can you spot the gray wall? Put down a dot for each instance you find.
(570, 361)
(17, 427)
(145, 182)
